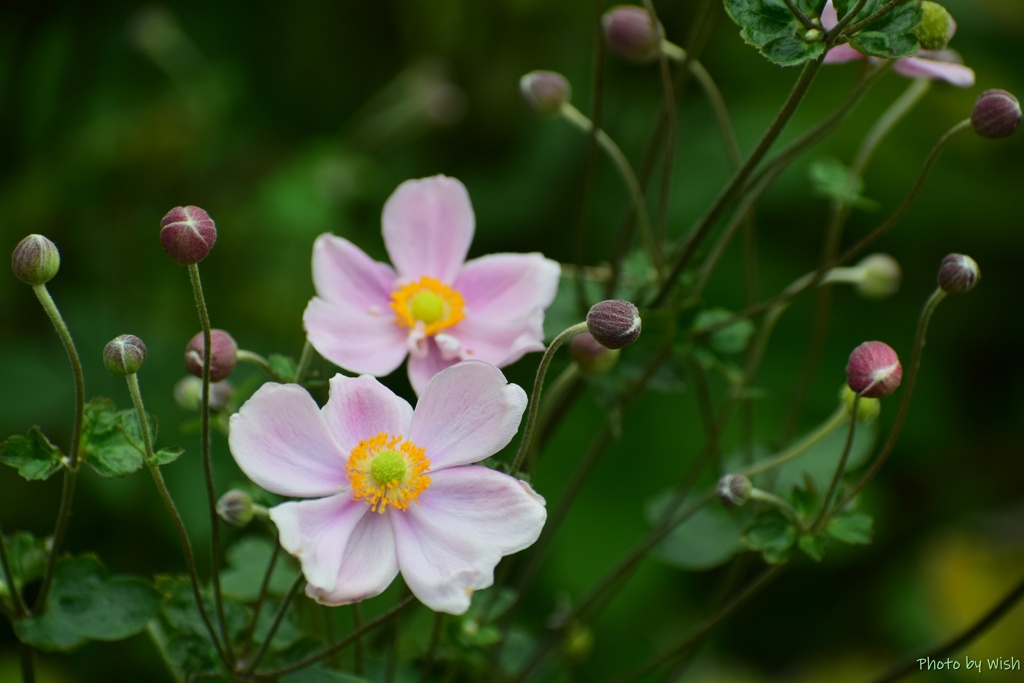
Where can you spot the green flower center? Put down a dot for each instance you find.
(427, 306)
(387, 467)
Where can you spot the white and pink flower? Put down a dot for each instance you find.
(433, 306)
(934, 64)
(392, 489)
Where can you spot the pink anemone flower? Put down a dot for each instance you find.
(934, 64)
(392, 489)
(433, 306)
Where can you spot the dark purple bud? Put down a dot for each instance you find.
(958, 273)
(35, 260)
(996, 114)
(874, 370)
(632, 32)
(545, 91)
(187, 234)
(614, 323)
(734, 490)
(223, 355)
(124, 355)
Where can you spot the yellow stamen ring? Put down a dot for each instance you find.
(428, 301)
(387, 470)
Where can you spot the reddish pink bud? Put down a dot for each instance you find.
(223, 355)
(187, 234)
(874, 370)
(632, 32)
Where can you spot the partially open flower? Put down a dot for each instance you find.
(124, 355)
(614, 323)
(632, 32)
(958, 273)
(874, 370)
(996, 114)
(187, 234)
(35, 260)
(545, 91)
(223, 355)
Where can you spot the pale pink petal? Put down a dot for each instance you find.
(502, 286)
(467, 520)
(842, 53)
(346, 277)
(423, 367)
(466, 413)
(500, 342)
(280, 441)
(327, 533)
(368, 566)
(428, 225)
(360, 408)
(829, 16)
(920, 67)
(364, 343)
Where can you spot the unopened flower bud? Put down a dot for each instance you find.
(592, 357)
(874, 370)
(545, 91)
(614, 323)
(235, 507)
(124, 355)
(632, 32)
(188, 393)
(881, 276)
(936, 27)
(35, 260)
(868, 409)
(996, 114)
(958, 273)
(734, 490)
(223, 355)
(187, 234)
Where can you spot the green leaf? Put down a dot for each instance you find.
(769, 26)
(247, 561)
(84, 604)
(283, 367)
(318, 674)
(831, 179)
(180, 613)
(813, 547)
(855, 529)
(772, 535)
(732, 338)
(27, 557)
(708, 539)
(890, 36)
(111, 440)
(33, 455)
(167, 455)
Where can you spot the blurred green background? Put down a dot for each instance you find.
(288, 120)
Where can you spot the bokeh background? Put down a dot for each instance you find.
(285, 121)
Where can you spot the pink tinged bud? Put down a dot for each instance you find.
(545, 91)
(614, 323)
(223, 355)
(874, 370)
(124, 355)
(733, 490)
(35, 260)
(996, 114)
(592, 357)
(187, 234)
(631, 32)
(958, 273)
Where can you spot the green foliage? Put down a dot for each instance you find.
(111, 440)
(708, 539)
(891, 35)
(84, 604)
(247, 561)
(732, 338)
(284, 368)
(818, 463)
(165, 456)
(855, 528)
(27, 556)
(33, 455)
(772, 535)
(831, 179)
(775, 31)
(318, 674)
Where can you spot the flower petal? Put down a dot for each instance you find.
(362, 407)
(368, 566)
(467, 520)
(280, 441)
(338, 538)
(500, 342)
(359, 342)
(428, 225)
(921, 67)
(502, 286)
(346, 277)
(466, 413)
(423, 367)
(842, 53)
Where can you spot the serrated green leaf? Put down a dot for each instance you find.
(27, 556)
(84, 604)
(111, 440)
(805, 502)
(856, 528)
(813, 547)
(247, 561)
(775, 31)
(890, 36)
(772, 535)
(831, 179)
(32, 455)
(167, 455)
(180, 614)
(708, 539)
(732, 338)
(283, 367)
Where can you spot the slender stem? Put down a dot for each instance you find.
(179, 525)
(305, 359)
(341, 644)
(882, 11)
(282, 609)
(552, 402)
(834, 34)
(538, 386)
(357, 623)
(814, 437)
(800, 16)
(435, 639)
(264, 586)
(781, 504)
(987, 621)
(71, 473)
(840, 468)
(256, 359)
(604, 141)
(668, 142)
(26, 660)
(211, 493)
(20, 610)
